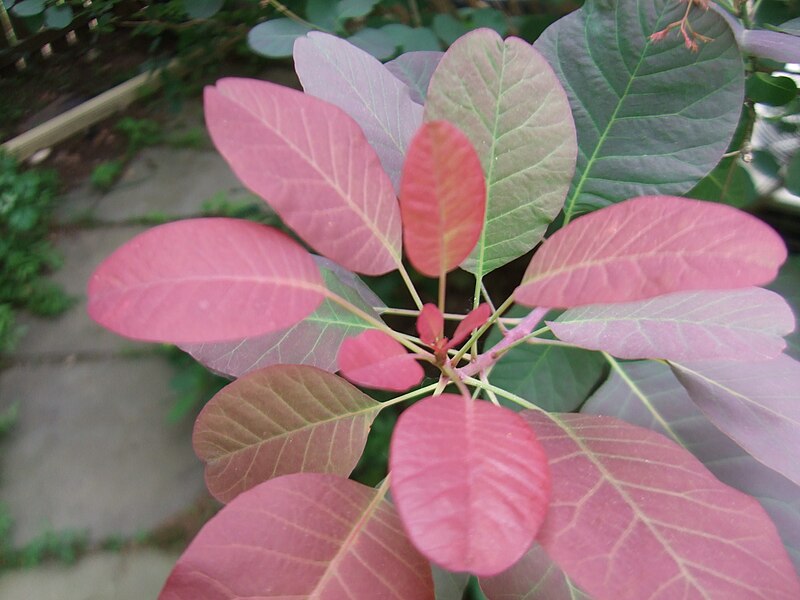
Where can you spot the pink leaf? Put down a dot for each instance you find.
(533, 577)
(204, 280)
(338, 72)
(474, 319)
(280, 420)
(634, 515)
(314, 341)
(302, 536)
(470, 482)
(430, 324)
(442, 198)
(670, 411)
(376, 360)
(312, 164)
(649, 246)
(755, 404)
(746, 324)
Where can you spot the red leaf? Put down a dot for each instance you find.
(476, 317)
(280, 420)
(442, 198)
(470, 482)
(633, 515)
(204, 280)
(430, 324)
(649, 246)
(376, 360)
(302, 536)
(313, 165)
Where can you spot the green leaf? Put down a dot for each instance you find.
(505, 97)
(792, 26)
(275, 38)
(555, 378)
(9, 3)
(729, 183)
(323, 14)
(792, 179)
(354, 9)
(202, 9)
(58, 17)
(411, 39)
(771, 90)
(448, 28)
(652, 117)
(375, 42)
(28, 8)
(492, 19)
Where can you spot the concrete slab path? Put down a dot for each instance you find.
(92, 449)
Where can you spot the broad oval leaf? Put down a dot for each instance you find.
(787, 284)
(746, 324)
(506, 99)
(202, 9)
(314, 341)
(756, 405)
(442, 199)
(281, 420)
(307, 535)
(649, 246)
(470, 482)
(648, 394)
(633, 515)
(312, 164)
(275, 38)
(555, 378)
(651, 116)
(534, 577)
(415, 69)
(376, 360)
(204, 280)
(338, 72)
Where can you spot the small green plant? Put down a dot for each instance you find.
(105, 175)
(26, 198)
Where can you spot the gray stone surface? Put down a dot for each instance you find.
(74, 332)
(171, 182)
(92, 449)
(138, 575)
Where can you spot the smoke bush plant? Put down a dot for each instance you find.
(468, 167)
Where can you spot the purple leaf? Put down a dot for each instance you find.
(774, 45)
(314, 341)
(756, 405)
(671, 412)
(281, 420)
(633, 515)
(534, 577)
(430, 324)
(338, 72)
(307, 535)
(648, 246)
(746, 324)
(474, 319)
(204, 280)
(415, 70)
(376, 360)
(312, 164)
(470, 482)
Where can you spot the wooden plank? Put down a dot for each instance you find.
(90, 112)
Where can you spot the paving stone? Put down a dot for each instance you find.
(92, 449)
(138, 575)
(73, 331)
(77, 205)
(169, 182)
